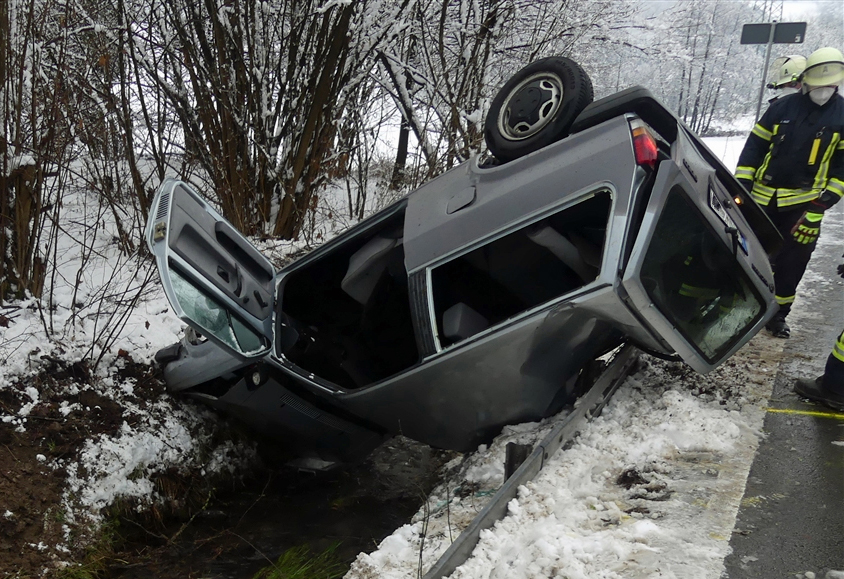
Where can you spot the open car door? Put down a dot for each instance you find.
(216, 281)
(697, 275)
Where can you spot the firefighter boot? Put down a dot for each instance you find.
(778, 327)
(814, 390)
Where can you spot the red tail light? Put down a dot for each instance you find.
(644, 144)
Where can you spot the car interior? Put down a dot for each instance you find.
(346, 316)
(521, 270)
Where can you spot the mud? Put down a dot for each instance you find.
(32, 518)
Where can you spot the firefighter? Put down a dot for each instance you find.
(789, 68)
(793, 166)
(827, 389)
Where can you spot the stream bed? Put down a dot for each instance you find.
(246, 530)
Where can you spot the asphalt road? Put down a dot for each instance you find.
(791, 519)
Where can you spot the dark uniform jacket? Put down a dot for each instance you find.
(795, 151)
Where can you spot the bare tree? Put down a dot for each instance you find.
(5, 113)
(258, 89)
(455, 53)
(690, 57)
(35, 135)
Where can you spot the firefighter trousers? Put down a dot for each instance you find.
(789, 263)
(833, 376)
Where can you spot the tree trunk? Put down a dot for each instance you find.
(315, 138)
(398, 177)
(5, 114)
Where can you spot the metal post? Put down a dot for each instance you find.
(765, 70)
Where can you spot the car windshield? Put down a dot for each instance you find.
(696, 282)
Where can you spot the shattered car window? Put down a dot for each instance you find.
(213, 317)
(696, 282)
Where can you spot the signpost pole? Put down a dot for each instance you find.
(765, 69)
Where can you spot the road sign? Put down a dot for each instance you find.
(784, 33)
(771, 33)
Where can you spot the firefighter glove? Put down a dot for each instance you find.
(807, 228)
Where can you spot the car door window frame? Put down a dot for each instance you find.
(522, 225)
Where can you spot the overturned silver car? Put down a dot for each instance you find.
(477, 300)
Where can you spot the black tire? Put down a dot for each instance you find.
(536, 107)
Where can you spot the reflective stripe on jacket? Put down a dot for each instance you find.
(838, 348)
(795, 151)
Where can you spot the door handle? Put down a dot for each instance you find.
(733, 232)
(224, 275)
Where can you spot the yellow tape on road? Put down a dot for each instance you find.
(836, 415)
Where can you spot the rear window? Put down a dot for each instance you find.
(696, 282)
(521, 270)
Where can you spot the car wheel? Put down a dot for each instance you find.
(536, 107)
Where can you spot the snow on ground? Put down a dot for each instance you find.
(155, 435)
(649, 489)
(96, 290)
(165, 436)
(727, 149)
